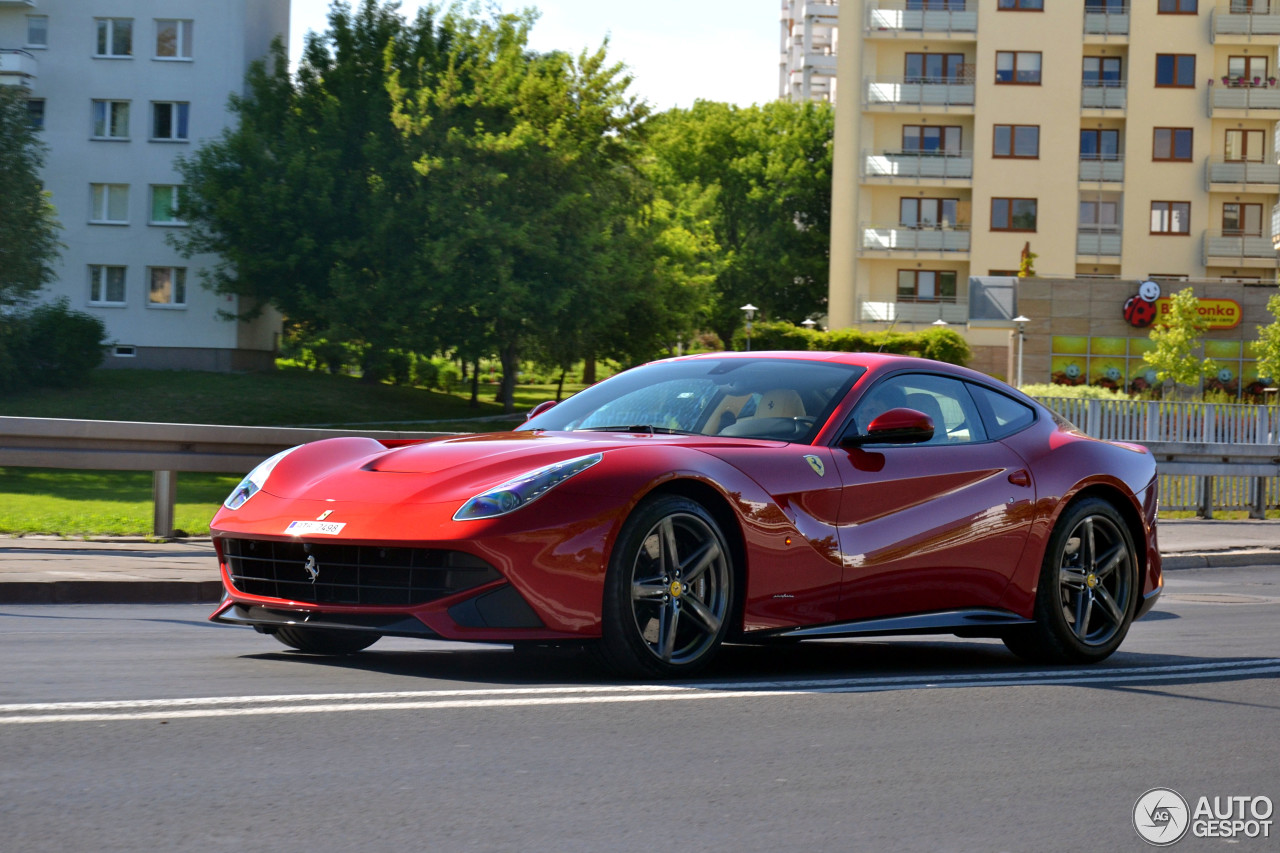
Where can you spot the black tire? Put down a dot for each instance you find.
(326, 641)
(1088, 591)
(669, 591)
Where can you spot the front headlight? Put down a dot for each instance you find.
(255, 480)
(523, 490)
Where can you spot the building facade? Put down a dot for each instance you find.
(1111, 139)
(810, 33)
(122, 89)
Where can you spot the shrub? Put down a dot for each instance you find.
(50, 345)
(938, 344)
(1072, 392)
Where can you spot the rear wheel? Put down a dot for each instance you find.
(1088, 589)
(669, 590)
(326, 641)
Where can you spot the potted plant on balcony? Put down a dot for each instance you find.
(1271, 81)
(1226, 79)
(1257, 81)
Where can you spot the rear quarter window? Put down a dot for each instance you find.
(1001, 414)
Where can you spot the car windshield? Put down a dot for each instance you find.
(769, 398)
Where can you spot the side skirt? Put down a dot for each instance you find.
(967, 623)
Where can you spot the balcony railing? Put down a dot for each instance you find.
(1102, 169)
(826, 12)
(891, 17)
(1247, 19)
(1220, 245)
(949, 310)
(1098, 240)
(900, 238)
(1105, 19)
(1244, 98)
(910, 92)
(17, 67)
(1241, 172)
(917, 165)
(1103, 96)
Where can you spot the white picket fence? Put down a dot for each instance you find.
(1144, 421)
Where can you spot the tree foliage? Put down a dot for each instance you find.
(1267, 346)
(1176, 339)
(29, 227)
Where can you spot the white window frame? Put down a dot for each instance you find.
(182, 43)
(109, 109)
(100, 197)
(176, 107)
(177, 288)
(178, 191)
(99, 282)
(105, 28)
(32, 44)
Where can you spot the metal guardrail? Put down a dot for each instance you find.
(163, 449)
(1205, 477)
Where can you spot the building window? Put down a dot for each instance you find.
(1172, 143)
(1018, 67)
(934, 67)
(37, 31)
(1101, 71)
(115, 37)
(1246, 145)
(1013, 214)
(168, 287)
(1022, 5)
(169, 120)
(1099, 215)
(1177, 7)
(110, 204)
(926, 286)
(1099, 145)
(1021, 141)
(932, 139)
(173, 39)
(166, 199)
(106, 285)
(1176, 70)
(110, 119)
(1241, 220)
(1106, 7)
(928, 212)
(1171, 217)
(1246, 70)
(35, 113)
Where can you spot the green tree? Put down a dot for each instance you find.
(29, 227)
(1176, 339)
(1267, 346)
(759, 179)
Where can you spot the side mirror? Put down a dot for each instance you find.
(896, 426)
(539, 409)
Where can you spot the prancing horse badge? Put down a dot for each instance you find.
(816, 464)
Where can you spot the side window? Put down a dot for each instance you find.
(943, 399)
(1002, 415)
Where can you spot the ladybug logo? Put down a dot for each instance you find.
(1140, 310)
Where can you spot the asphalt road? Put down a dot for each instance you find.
(146, 728)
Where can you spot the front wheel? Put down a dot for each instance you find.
(669, 590)
(326, 641)
(1088, 589)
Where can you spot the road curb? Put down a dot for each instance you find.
(1221, 560)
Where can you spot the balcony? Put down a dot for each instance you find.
(1235, 101)
(917, 166)
(1098, 241)
(1108, 96)
(1222, 249)
(1243, 22)
(823, 14)
(1238, 175)
(1096, 170)
(1107, 20)
(892, 19)
(17, 68)
(923, 313)
(4, 3)
(896, 240)
(898, 92)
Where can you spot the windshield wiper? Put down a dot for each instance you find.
(643, 428)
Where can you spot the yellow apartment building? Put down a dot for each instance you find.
(1123, 139)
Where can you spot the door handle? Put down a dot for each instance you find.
(1020, 477)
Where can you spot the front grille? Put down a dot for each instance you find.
(352, 574)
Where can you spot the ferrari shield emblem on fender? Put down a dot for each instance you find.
(816, 464)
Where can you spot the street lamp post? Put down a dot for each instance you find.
(750, 310)
(808, 323)
(1022, 322)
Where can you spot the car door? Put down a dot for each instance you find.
(935, 525)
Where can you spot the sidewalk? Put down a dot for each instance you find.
(48, 570)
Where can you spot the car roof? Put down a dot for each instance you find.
(869, 360)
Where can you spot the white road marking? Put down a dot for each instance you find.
(517, 697)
